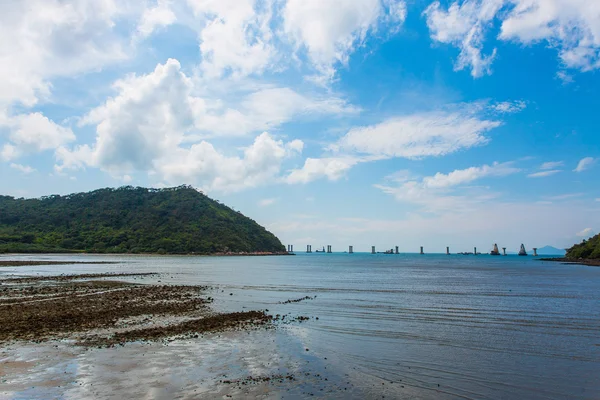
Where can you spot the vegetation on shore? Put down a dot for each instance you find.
(588, 249)
(129, 219)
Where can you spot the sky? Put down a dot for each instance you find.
(330, 122)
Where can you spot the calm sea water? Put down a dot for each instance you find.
(404, 326)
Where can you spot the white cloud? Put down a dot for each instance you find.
(543, 174)
(509, 107)
(332, 168)
(585, 233)
(584, 163)
(31, 133)
(435, 193)
(236, 36)
(461, 176)
(9, 152)
(156, 17)
(552, 165)
(144, 127)
(419, 135)
(465, 25)
(564, 77)
(571, 26)
(40, 40)
(267, 202)
(26, 169)
(211, 170)
(331, 30)
(264, 109)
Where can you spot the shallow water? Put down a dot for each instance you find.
(399, 326)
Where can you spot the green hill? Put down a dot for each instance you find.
(130, 220)
(587, 249)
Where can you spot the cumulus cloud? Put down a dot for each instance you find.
(329, 31)
(212, 170)
(419, 135)
(568, 26)
(584, 163)
(40, 40)
(436, 193)
(332, 168)
(236, 36)
(32, 133)
(156, 17)
(144, 128)
(586, 233)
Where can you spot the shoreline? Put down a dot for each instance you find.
(564, 260)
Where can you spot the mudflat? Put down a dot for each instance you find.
(102, 310)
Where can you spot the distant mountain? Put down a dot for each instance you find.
(550, 251)
(130, 220)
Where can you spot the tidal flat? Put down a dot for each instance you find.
(315, 325)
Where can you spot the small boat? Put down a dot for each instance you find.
(522, 251)
(495, 251)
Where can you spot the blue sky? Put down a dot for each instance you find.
(372, 122)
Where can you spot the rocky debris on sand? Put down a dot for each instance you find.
(297, 300)
(191, 328)
(40, 312)
(65, 278)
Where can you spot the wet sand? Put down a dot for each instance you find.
(28, 263)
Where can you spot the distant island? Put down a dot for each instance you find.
(551, 251)
(178, 220)
(587, 252)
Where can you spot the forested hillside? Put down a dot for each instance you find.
(130, 220)
(587, 249)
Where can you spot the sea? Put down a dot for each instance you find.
(404, 326)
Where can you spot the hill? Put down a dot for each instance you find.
(130, 220)
(550, 251)
(587, 249)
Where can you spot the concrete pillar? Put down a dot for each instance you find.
(350, 249)
(308, 248)
(475, 250)
(535, 251)
(329, 248)
(504, 251)
(396, 249)
(292, 248)
(447, 250)
(372, 249)
(422, 250)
